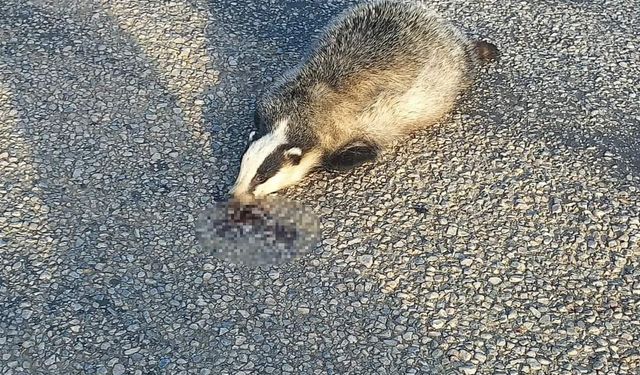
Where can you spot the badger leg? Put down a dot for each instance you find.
(350, 156)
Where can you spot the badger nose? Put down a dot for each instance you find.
(242, 198)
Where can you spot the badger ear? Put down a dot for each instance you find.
(350, 156)
(294, 155)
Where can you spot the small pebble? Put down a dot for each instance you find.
(366, 260)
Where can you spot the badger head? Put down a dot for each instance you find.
(273, 161)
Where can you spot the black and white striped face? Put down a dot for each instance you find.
(270, 164)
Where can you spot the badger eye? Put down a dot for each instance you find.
(260, 179)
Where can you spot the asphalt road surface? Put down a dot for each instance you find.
(505, 240)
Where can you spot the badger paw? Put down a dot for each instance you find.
(350, 156)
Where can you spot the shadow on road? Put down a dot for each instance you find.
(117, 136)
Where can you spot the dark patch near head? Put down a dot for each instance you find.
(259, 124)
(486, 51)
(350, 156)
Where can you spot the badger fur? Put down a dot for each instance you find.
(380, 71)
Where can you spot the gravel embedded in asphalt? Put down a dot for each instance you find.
(505, 240)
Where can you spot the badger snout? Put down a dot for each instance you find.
(243, 198)
(238, 196)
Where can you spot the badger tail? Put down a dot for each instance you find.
(486, 51)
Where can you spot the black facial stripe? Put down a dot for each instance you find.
(295, 159)
(270, 166)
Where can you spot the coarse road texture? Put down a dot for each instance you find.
(503, 241)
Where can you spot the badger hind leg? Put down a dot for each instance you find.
(486, 51)
(351, 156)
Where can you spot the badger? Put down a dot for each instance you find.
(380, 71)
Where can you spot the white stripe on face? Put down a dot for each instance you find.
(256, 154)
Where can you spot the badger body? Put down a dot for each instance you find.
(380, 71)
